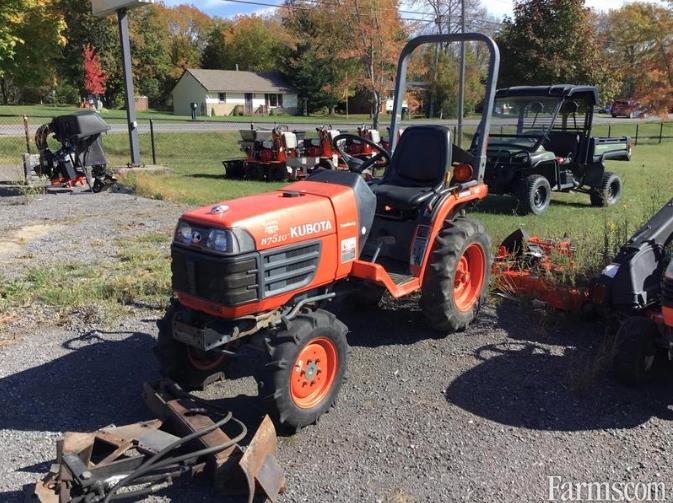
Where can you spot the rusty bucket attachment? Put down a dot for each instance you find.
(129, 462)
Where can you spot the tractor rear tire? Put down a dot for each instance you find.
(635, 351)
(189, 367)
(609, 191)
(457, 276)
(534, 195)
(306, 368)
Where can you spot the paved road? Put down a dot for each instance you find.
(119, 127)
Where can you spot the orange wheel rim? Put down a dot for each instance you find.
(313, 373)
(203, 361)
(469, 277)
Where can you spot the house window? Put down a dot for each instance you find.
(222, 97)
(274, 100)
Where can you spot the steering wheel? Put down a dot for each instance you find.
(358, 165)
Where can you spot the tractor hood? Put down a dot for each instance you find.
(272, 219)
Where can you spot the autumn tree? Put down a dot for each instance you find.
(253, 43)
(551, 42)
(315, 63)
(188, 29)
(638, 37)
(377, 37)
(94, 76)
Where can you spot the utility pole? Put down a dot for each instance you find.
(123, 20)
(461, 84)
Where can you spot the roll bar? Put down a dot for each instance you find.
(491, 83)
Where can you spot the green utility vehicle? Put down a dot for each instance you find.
(541, 142)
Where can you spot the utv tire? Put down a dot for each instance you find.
(609, 191)
(635, 351)
(534, 195)
(189, 367)
(306, 369)
(457, 276)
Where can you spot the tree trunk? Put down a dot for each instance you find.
(3, 90)
(376, 109)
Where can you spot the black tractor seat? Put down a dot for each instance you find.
(417, 169)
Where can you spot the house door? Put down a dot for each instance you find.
(248, 103)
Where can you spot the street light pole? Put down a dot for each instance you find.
(461, 84)
(123, 21)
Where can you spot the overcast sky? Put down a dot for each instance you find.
(226, 9)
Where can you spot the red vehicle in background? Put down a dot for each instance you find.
(627, 108)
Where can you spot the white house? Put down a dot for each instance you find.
(220, 92)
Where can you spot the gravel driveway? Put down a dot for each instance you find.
(487, 415)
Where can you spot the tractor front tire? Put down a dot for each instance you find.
(306, 368)
(190, 368)
(609, 191)
(534, 195)
(457, 276)
(635, 351)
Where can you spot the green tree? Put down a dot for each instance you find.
(553, 41)
(251, 42)
(32, 31)
(84, 29)
(314, 63)
(150, 49)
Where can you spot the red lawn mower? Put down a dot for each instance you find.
(634, 293)
(272, 155)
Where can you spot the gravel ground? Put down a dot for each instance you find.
(487, 415)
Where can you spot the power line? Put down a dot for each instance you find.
(425, 17)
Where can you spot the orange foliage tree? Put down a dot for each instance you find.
(377, 38)
(641, 47)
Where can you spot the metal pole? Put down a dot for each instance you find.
(609, 130)
(461, 91)
(27, 133)
(637, 127)
(154, 148)
(123, 21)
(661, 131)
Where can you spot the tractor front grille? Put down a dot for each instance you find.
(289, 268)
(232, 281)
(229, 281)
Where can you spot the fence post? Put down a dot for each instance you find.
(609, 130)
(27, 132)
(154, 148)
(636, 141)
(661, 131)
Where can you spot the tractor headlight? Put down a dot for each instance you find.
(183, 233)
(222, 241)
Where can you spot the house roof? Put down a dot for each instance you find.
(232, 80)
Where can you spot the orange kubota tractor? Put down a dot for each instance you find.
(250, 275)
